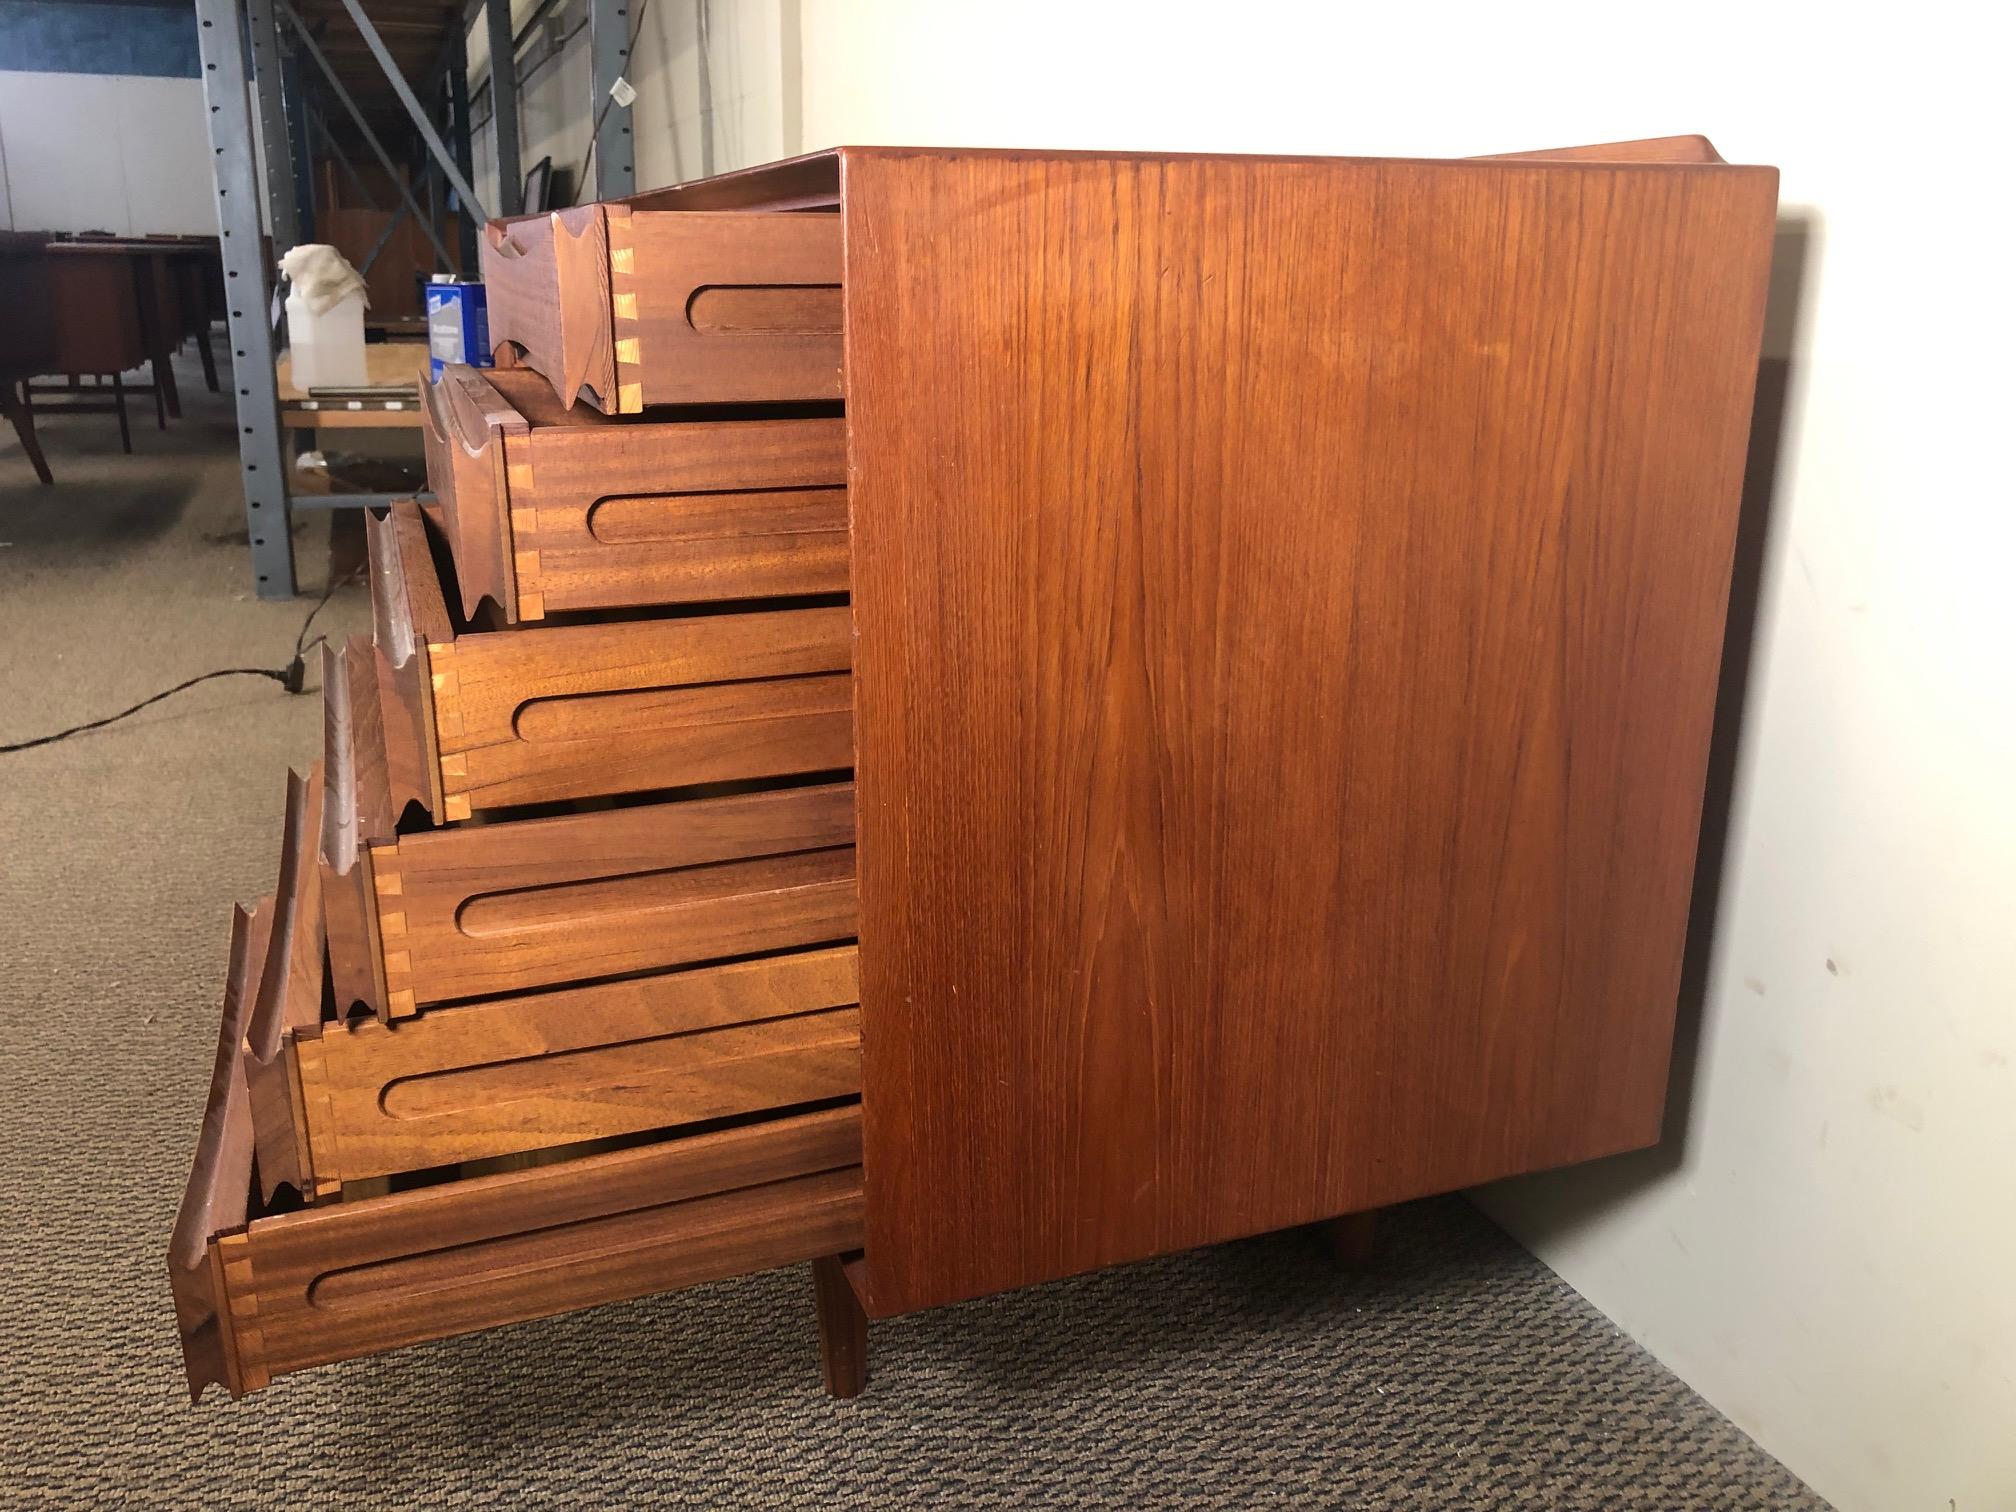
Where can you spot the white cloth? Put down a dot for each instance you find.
(322, 277)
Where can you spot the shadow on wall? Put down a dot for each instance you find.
(1588, 1192)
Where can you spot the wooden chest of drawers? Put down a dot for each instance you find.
(1210, 738)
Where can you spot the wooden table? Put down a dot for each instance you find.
(390, 365)
(158, 267)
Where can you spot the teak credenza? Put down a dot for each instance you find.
(966, 716)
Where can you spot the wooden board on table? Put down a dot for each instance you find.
(389, 364)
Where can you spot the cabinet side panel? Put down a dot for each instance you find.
(1289, 598)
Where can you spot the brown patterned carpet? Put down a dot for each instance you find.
(1457, 1373)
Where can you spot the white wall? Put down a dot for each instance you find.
(104, 152)
(1824, 1247)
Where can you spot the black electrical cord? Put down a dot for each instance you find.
(291, 677)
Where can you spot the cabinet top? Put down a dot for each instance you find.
(812, 182)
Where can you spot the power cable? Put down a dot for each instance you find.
(291, 677)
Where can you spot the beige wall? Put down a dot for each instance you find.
(1824, 1247)
(143, 164)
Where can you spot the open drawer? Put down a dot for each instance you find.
(510, 717)
(286, 995)
(548, 511)
(371, 773)
(631, 308)
(482, 910)
(259, 1295)
(480, 1080)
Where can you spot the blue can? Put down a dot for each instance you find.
(458, 324)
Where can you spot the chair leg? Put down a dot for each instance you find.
(166, 393)
(209, 358)
(22, 412)
(160, 399)
(119, 401)
(843, 1328)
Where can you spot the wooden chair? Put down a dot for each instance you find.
(96, 308)
(27, 336)
(193, 267)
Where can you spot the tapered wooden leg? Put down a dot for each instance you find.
(1352, 1238)
(22, 412)
(843, 1329)
(119, 402)
(160, 399)
(209, 359)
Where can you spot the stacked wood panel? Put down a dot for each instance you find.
(555, 1000)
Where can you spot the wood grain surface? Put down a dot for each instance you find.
(843, 1329)
(288, 998)
(356, 810)
(547, 714)
(602, 301)
(724, 307)
(355, 1278)
(218, 1195)
(1289, 599)
(465, 469)
(408, 611)
(478, 911)
(558, 1068)
(547, 282)
(572, 511)
(577, 711)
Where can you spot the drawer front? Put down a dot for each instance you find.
(396, 702)
(724, 307)
(287, 996)
(547, 296)
(601, 514)
(465, 469)
(717, 546)
(490, 909)
(556, 713)
(356, 809)
(529, 716)
(259, 1298)
(525, 1073)
(692, 512)
(218, 1197)
(630, 309)
(329, 1284)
